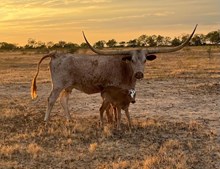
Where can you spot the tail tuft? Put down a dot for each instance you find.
(34, 89)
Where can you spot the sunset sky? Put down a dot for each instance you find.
(56, 20)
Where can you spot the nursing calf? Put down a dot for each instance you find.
(120, 99)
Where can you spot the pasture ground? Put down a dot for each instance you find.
(176, 118)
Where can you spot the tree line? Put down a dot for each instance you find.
(212, 37)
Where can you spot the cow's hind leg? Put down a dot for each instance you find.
(64, 98)
(51, 100)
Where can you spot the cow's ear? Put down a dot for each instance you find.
(151, 57)
(127, 58)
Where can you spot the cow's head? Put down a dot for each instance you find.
(138, 57)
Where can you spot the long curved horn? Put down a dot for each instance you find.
(170, 49)
(100, 52)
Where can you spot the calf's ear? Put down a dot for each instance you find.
(127, 58)
(151, 57)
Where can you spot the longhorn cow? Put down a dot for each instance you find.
(92, 74)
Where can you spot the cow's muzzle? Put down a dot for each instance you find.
(139, 75)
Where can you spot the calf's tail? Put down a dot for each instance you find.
(33, 84)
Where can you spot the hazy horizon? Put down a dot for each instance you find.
(56, 20)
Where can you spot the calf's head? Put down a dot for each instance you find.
(132, 95)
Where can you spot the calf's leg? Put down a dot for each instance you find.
(105, 105)
(118, 113)
(110, 113)
(128, 118)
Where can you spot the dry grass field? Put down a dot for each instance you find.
(176, 118)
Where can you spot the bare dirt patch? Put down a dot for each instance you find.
(175, 118)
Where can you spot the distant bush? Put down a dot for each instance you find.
(7, 46)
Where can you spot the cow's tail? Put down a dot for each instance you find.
(33, 84)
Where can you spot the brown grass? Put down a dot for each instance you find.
(93, 147)
(34, 149)
(175, 120)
